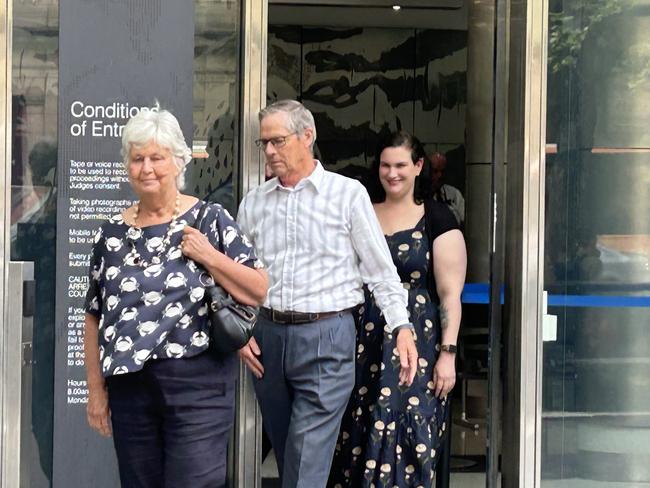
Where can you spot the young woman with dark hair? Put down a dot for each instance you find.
(391, 433)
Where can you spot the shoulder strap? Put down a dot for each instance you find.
(201, 215)
(428, 227)
(199, 220)
(428, 218)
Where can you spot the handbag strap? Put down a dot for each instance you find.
(199, 220)
(429, 224)
(201, 215)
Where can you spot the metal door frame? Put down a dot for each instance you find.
(7, 457)
(248, 421)
(497, 247)
(524, 242)
(519, 138)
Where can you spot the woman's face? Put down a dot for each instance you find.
(397, 172)
(152, 169)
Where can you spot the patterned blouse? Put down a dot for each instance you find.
(158, 311)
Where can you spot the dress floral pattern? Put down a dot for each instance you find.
(390, 434)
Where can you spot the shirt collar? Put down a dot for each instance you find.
(316, 176)
(270, 185)
(315, 179)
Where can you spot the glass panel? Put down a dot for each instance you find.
(33, 201)
(596, 387)
(212, 174)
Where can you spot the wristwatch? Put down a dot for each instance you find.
(451, 348)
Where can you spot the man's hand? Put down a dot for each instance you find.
(408, 356)
(97, 411)
(249, 353)
(444, 374)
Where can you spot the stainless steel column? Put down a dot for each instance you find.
(524, 242)
(484, 262)
(497, 248)
(253, 97)
(480, 112)
(7, 435)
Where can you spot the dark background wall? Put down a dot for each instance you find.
(363, 82)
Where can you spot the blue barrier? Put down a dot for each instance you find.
(479, 293)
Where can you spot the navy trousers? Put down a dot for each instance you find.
(172, 420)
(308, 378)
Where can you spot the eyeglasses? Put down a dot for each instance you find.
(275, 141)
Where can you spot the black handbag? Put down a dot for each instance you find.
(231, 323)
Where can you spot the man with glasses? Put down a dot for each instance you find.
(318, 235)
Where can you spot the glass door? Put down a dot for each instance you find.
(596, 354)
(427, 67)
(43, 227)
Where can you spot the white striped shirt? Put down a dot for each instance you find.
(320, 242)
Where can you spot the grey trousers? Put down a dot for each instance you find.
(308, 378)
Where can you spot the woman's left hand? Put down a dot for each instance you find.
(195, 245)
(444, 374)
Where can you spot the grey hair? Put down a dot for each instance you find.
(161, 127)
(300, 118)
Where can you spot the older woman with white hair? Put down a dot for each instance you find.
(153, 384)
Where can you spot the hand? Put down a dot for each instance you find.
(444, 374)
(195, 245)
(249, 354)
(408, 356)
(97, 411)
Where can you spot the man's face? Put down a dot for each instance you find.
(285, 152)
(438, 166)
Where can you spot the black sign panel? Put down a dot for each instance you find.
(115, 57)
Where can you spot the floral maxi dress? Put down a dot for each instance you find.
(390, 434)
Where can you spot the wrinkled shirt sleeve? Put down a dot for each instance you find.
(376, 265)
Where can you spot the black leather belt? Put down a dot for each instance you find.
(295, 318)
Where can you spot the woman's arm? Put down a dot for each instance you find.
(449, 266)
(246, 285)
(97, 409)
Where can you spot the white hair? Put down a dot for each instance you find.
(161, 127)
(299, 117)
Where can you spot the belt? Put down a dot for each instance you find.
(296, 317)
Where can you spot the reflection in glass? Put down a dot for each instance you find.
(33, 200)
(211, 174)
(596, 389)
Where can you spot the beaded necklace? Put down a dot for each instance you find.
(157, 258)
